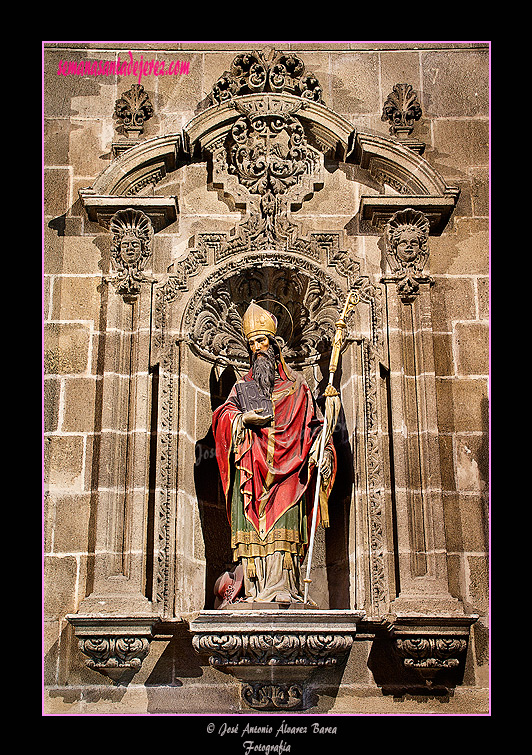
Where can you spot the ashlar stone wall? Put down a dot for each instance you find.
(452, 85)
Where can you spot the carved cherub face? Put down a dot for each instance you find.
(407, 244)
(130, 249)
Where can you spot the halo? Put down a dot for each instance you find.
(276, 301)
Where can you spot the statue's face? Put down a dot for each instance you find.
(258, 343)
(408, 246)
(130, 249)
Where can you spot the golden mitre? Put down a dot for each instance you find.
(258, 322)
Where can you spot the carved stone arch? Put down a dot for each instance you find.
(388, 162)
(305, 299)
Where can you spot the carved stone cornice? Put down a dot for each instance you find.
(162, 211)
(147, 162)
(273, 653)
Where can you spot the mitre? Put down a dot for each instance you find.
(258, 322)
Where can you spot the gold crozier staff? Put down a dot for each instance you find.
(332, 409)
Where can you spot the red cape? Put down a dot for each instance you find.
(273, 461)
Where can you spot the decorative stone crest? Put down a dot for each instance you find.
(401, 109)
(266, 72)
(266, 164)
(133, 109)
(269, 151)
(406, 237)
(130, 249)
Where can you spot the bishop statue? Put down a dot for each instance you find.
(267, 437)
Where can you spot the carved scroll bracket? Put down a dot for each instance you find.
(115, 646)
(274, 653)
(433, 645)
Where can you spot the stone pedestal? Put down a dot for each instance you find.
(274, 653)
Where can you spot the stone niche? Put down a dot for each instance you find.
(173, 348)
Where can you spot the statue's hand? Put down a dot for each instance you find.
(256, 418)
(327, 463)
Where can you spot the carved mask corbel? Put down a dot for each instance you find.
(406, 238)
(130, 249)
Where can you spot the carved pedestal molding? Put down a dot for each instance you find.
(274, 653)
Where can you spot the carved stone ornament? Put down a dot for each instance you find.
(406, 237)
(401, 109)
(429, 655)
(266, 72)
(114, 656)
(267, 166)
(305, 306)
(132, 234)
(133, 109)
(115, 646)
(274, 653)
(268, 150)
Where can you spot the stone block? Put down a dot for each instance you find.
(51, 394)
(443, 354)
(56, 190)
(461, 143)
(462, 405)
(455, 83)
(56, 141)
(480, 195)
(483, 297)
(77, 255)
(462, 250)
(478, 581)
(399, 66)
(76, 298)
(71, 522)
(465, 523)
(78, 415)
(60, 583)
(181, 92)
(86, 147)
(472, 348)
(354, 83)
(452, 299)
(63, 461)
